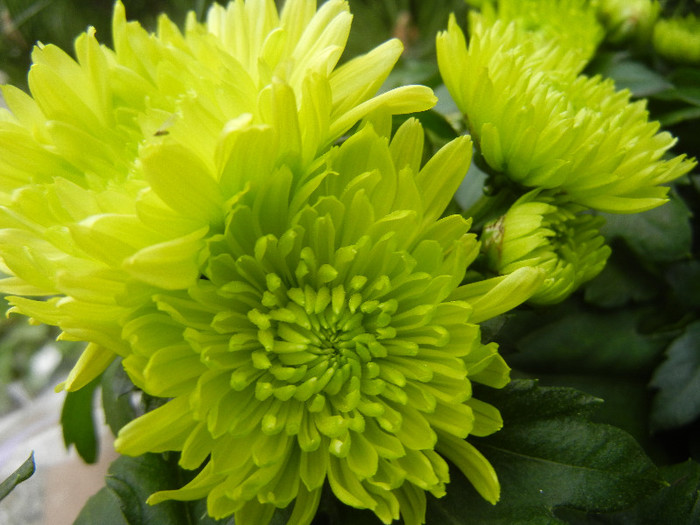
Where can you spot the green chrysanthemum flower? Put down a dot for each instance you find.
(327, 338)
(543, 232)
(626, 20)
(576, 135)
(571, 25)
(678, 39)
(175, 202)
(87, 210)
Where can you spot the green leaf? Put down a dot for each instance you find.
(635, 76)
(133, 480)
(116, 389)
(548, 456)
(623, 280)
(679, 503)
(671, 118)
(129, 483)
(626, 400)
(659, 235)
(684, 279)
(102, 508)
(78, 423)
(578, 340)
(23, 473)
(678, 379)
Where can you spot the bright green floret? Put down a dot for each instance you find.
(543, 232)
(678, 39)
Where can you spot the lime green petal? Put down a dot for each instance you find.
(171, 265)
(487, 418)
(305, 507)
(253, 512)
(356, 80)
(183, 181)
(486, 366)
(407, 145)
(173, 370)
(412, 502)
(23, 107)
(495, 296)
(198, 488)
(93, 361)
(442, 175)
(406, 99)
(242, 151)
(165, 428)
(18, 286)
(472, 464)
(346, 486)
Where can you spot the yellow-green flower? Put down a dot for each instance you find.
(327, 338)
(626, 20)
(90, 217)
(678, 39)
(542, 128)
(551, 234)
(571, 25)
(177, 202)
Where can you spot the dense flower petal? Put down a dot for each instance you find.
(539, 231)
(542, 126)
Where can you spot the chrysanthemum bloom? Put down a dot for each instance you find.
(571, 25)
(545, 232)
(90, 216)
(300, 307)
(678, 39)
(327, 338)
(577, 135)
(626, 20)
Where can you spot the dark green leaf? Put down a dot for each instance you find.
(23, 473)
(659, 235)
(684, 278)
(686, 87)
(549, 455)
(671, 118)
(622, 281)
(133, 480)
(678, 379)
(116, 389)
(677, 504)
(635, 76)
(102, 508)
(78, 423)
(626, 400)
(581, 340)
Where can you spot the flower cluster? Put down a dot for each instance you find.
(541, 124)
(678, 39)
(549, 233)
(628, 20)
(180, 202)
(567, 28)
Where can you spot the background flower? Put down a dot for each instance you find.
(677, 39)
(545, 127)
(551, 234)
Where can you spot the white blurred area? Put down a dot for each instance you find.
(62, 483)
